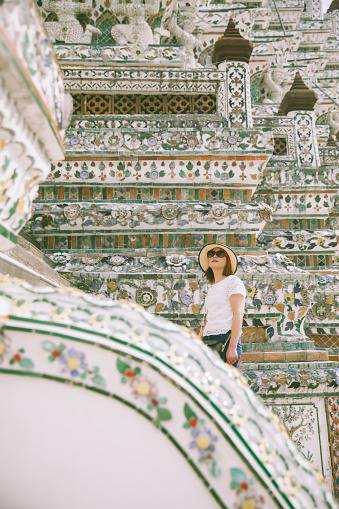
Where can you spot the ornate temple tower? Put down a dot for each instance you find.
(206, 123)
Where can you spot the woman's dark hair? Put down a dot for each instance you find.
(226, 272)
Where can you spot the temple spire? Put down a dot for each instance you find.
(232, 46)
(334, 6)
(299, 97)
(331, 141)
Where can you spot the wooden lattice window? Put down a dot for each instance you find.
(104, 104)
(97, 104)
(204, 104)
(151, 104)
(280, 146)
(124, 105)
(179, 104)
(77, 104)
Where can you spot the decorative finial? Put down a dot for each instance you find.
(299, 97)
(232, 46)
(334, 6)
(331, 141)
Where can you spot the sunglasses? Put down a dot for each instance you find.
(220, 254)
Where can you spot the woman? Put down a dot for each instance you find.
(224, 303)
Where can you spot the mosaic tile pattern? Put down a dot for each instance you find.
(176, 164)
(194, 193)
(80, 216)
(241, 171)
(332, 409)
(163, 141)
(302, 424)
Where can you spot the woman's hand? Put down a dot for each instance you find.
(231, 355)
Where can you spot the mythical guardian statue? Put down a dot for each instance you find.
(333, 121)
(136, 30)
(68, 29)
(185, 35)
(272, 85)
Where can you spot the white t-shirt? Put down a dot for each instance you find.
(218, 306)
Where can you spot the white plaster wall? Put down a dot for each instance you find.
(64, 447)
(326, 4)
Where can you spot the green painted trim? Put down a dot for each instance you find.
(8, 235)
(79, 232)
(164, 153)
(89, 44)
(298, 395)
(90, 182)
(331, 444)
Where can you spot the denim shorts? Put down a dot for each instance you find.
(216, 342)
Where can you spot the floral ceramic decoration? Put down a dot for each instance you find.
(186, 299)
(145, 296)
(60, 257)
(245, 491)
(147, 262)
(20, 359)
(90, 261)
(72, 362)
(117, 260)
(118, 171)
(169, 212)
(202, 440)
(145, 390)
(322, 309)
(154, 218)
(176, 260)
(71, 212)
(121, 214)
(219, 211)
(294, 381)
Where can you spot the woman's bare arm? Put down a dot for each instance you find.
(237, 301)
(202, 328)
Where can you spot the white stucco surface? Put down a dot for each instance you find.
(64, 447)
(326, 4)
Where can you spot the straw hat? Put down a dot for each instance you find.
(203, 259)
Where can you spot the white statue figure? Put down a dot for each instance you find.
(245, 19)
(333, 121)
(68, 29)
(185, 35)
(137, 30)
(272, 85)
